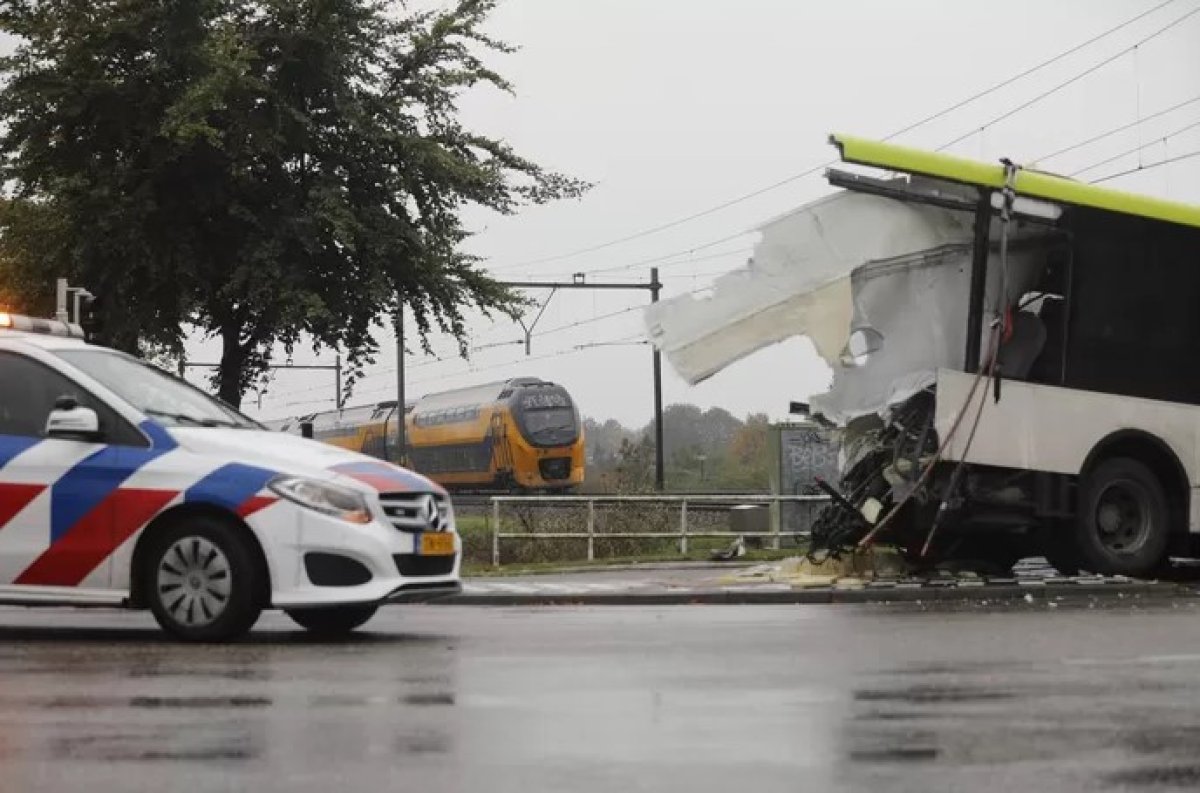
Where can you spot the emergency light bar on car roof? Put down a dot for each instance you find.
(49, 327)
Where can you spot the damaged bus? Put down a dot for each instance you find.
(1011, 354)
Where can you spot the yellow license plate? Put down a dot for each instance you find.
(438, 544)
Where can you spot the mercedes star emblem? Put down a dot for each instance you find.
(433, 517)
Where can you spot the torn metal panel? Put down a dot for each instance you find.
(916, 310)
(848, 262)
(798, 281)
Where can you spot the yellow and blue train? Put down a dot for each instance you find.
(518, 435)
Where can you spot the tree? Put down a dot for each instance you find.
(266, 170)
(604, 442)
(635, 469)
(749, 459)
(30, 247)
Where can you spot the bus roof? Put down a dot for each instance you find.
(1031, 183)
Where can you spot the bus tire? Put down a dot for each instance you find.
(1123, 520)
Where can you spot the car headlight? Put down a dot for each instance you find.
(324, 497)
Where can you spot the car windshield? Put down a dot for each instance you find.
(167, 399)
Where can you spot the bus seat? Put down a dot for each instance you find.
(1023, 346)
(1048, 367)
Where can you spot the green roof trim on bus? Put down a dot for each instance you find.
(1029, 183)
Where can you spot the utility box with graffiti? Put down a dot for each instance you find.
(805, 451)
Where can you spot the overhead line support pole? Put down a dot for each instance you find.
(401, 427)
(659, 473)
(654, 287)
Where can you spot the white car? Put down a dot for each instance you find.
(121, 485)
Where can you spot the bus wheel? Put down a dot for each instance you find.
(1123, 524)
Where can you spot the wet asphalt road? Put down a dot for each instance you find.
(1103, 695)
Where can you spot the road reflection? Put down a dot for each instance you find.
(92, 704)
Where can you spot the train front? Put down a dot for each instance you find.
(549, 454)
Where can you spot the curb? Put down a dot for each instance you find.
(821, 596)
(621, 568)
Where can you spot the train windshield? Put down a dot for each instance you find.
(550, 420)
(547, 417)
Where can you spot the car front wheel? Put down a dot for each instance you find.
(201, 581)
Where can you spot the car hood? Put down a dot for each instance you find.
(292, 454)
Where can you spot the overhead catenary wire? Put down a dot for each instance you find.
(498, 365)
(456, 359)
(1003, 116)
(451, 357)
(817, 168)
(686, 260)
(902, 131)
(631, 309)
(1116, 130)
(1150, 167)
(1136, 149)
(392, 370)
(1072, 80)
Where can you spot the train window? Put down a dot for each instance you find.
(548, 420)
(447, 416)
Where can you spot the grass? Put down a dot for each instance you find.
(485, 569)
(532, 555)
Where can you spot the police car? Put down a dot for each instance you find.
(121, 485)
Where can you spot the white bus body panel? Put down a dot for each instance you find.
(1051, 429)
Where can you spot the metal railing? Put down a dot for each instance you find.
(683, 534)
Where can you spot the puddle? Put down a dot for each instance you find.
(148, 748)
(896, 715)
(1184, 777)
(932, 695)
(897, 754)
(199, 702)
(428, 699)
(84, 702)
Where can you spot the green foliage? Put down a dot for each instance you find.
(267, 170)
(30, 246)
(704, 450)
(634, 471)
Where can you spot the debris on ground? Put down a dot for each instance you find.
(734, 551)
(845, 570)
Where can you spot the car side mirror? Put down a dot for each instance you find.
(71, 421)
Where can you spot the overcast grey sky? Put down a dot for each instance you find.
(674, 106)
